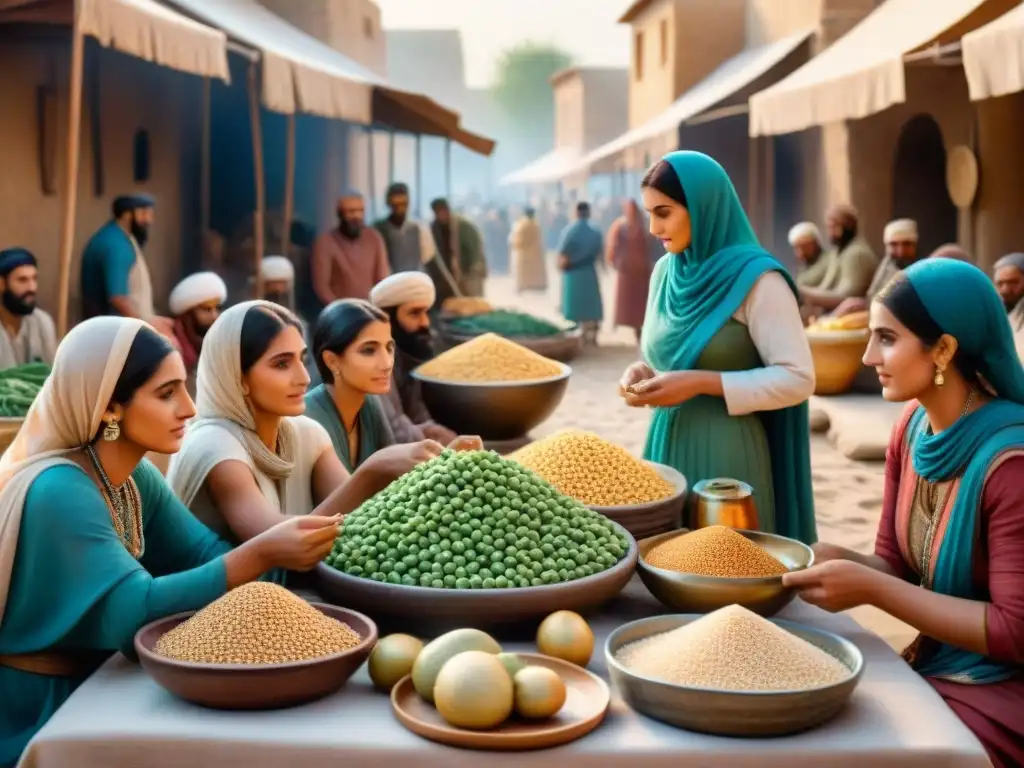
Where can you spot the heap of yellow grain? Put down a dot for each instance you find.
(490, 359)
(598, 473)
(855, 321)
(466, 305)
(715, 551)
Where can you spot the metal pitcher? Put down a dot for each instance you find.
(724, 501)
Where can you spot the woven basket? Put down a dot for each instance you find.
(837, 359)
(9, 429)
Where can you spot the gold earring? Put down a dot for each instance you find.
(111, 431)
(940, 378)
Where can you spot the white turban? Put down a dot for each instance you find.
(277, 268)
(901, 229)
(195, 290)
(805, 230)
(403, 288)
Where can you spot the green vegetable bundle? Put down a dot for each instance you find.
(19, 386)
(474, 521)
(504, 322)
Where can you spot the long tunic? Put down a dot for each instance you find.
(374, 432)
(1016, 318)
(527, 247)
(404, 244)
(582, 247)
(348, 269)
(850, 271)
(630, 252)
(113, 266)
(406, 412)
(461, 248)
(885, 272)
(994, 712)
(76, 588)
(813, 275)
(35, 342)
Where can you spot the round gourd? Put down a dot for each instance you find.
(438, 652)
(474, 691)
(567, 636)
(539, 693)
(392, 659)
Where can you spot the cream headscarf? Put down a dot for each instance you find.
(221, 402)
(65, 416)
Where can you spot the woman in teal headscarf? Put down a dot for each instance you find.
(953, 511)
(725, 362)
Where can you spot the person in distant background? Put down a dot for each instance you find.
(195, 303)
(805, 240)
(278, 281)
(461, 249)
(900, 252)
(631, 252)
(526, 243)
(29, 334)
(350, 259)
(850, 265)
(409, 243)
(1008, 276)
(578, 253)
(115, 278)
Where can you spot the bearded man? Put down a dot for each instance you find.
(812, 263)
(195, 303)
(901, 251)
(410, 244)
(1008, 275)
(278, 275)
(407, 297)
(29, 333)
(350, 259)
(851, 264)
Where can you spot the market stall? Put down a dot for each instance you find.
(120, 717)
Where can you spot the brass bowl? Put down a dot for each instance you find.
(837, 359)
(690, 593)
(733, 713)
(653, 517)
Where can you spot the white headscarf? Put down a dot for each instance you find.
(65, 416)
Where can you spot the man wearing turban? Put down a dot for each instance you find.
(278, 275)
(805, 240)
(850, 264)
(407, 298)
(1008, 276)
(29, 334)
(195, 303)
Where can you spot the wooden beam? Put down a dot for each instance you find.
(259, 247)
(67, 232)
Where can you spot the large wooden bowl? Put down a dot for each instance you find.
(837, 359)
(654, 517)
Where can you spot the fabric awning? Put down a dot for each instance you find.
(660, 135)
(862, 72)
(141, 28)
(304, 74)
(994, 57)
(550, 168)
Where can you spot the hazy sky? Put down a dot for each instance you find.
(585, 28)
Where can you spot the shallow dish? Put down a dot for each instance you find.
(585, 706)
(653, 517)
(493, 410)
(430, 610)
(255, 686)
(733, 713)
(690, 593)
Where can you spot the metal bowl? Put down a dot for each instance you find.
(653, 517)
(733, 713)
(439, 610)
(255, 686)
(690, 593)
(563, 347)
(502, 410)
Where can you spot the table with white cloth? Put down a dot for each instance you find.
(120, 718)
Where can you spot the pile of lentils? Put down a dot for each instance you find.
(733, 649)
(489, 359)
(594, 471)
(505, 322)
(715, 551)
(257, 623)
(474, 520)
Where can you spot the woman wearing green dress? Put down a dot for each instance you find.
(93, 544)
(726, 364)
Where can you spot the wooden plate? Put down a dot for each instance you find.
(585, 706)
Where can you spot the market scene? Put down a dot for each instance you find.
(607, 381)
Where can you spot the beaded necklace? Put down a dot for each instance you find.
(125, 508)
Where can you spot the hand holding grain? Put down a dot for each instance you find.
(299, 543)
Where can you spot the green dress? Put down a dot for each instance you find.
(374, 431)
(75, 587)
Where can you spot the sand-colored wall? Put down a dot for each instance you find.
(605, 105)
(569, 118)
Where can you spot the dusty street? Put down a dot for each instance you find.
(848, 494)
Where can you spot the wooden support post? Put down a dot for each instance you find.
(204, 163)
(391, 158)
(373, 173)
(259, 246)
(448, 170)
(289, 188)
(420, 201)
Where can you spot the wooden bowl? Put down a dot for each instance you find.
(653, 517)
(837, 359)
(255, 686)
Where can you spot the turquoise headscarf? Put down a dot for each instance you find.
(694, 293)
(964, 304)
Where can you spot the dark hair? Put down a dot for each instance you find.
(338, 326)
(396, 189)
(582, 208)
(263, 324)
(903, 301)
(439, 204)
(148, 351)
(530, 211)
(663, 177)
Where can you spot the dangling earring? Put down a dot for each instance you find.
(111, 431)
(940, 378)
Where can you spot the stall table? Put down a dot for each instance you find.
(120, 718)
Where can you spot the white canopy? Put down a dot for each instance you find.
(553, 167)
(994, 56)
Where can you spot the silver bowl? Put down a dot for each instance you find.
(733, 713)
(653, 517)
(690, 593)
(502, 410)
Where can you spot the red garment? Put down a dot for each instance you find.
(348, 269)
(189, 353)
(995, 712)
(631, 254)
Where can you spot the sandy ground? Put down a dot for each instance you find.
(848, 494)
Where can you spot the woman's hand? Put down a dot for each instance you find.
(395, 460)
(298, 543)
(666, 389)
(824, 553)
(464, 443)
(636, 373)
(837, 585)
(439, 432)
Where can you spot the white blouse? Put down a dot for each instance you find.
(772, 317)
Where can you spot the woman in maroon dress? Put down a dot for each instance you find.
(949, 556)
(631, 253)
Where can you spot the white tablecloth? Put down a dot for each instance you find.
(120, 718)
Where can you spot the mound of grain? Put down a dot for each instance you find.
(594, 471)
(490, 358)
(257, 623)
(733, 649)
(715, 551)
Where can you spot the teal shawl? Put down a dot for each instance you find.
(963, 302)
(374, 430)
(694, 293)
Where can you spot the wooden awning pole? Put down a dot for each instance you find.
(204, 164)
(420, 202)
(289, 188)
(372, 157)
(67, 231)
(259, 247)
(448, 170)
(392, 177)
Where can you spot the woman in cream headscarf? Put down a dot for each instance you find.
(78, 579)
(252, 456)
